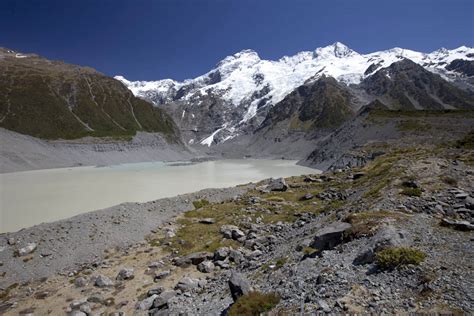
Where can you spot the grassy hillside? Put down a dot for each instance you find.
(52, 100)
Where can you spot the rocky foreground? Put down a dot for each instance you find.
(392, 236)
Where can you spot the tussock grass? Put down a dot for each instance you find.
(254, 304)
(365, 224)
(392, 258)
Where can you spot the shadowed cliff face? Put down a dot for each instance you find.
(52, 99)
(406, 85)
(464, 67)
(324, 104)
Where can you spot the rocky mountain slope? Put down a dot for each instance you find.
(52, 100)
(234, 98)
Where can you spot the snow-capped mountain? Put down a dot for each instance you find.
(243, 86)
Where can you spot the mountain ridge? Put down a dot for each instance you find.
(245, 86)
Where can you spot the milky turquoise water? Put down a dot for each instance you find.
(32, 197)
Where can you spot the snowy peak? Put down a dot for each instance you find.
(337, 49)
(243, 86)
(245, 56)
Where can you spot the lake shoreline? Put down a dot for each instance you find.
(74, 243)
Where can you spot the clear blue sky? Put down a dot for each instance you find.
(146, 40)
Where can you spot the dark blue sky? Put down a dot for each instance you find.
(146, 40)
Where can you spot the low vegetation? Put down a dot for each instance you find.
(411, 191)
(366, 224)
(413, 126)
(254, 304)
(391, 258)
(200, 203)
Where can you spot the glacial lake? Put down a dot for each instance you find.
(32, 197)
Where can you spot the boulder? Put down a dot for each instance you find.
(231, 232)
(329, 236)
(77, 303)
(226, 230)
(155, 291)
(147, 303)
(461, 196)
(86, 308)
(238, 285)
(29, 248)
(277, 185)
(457, 224)
(80, 282)
(387, 236)
(237, 234)
(206, 267)
(236, 256)
(324, 306)
(125, 274)
(96, 298)
(221, 253)
(223, 264)
(469, 203)
(155, 264)
(187, 284)
(103, 281)
(161, 275)
(161, 302)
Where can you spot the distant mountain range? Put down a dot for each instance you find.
(244, 94)
(244, 106)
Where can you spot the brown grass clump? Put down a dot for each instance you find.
(254, 304)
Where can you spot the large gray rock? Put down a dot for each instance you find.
(80, 282)
(277, 185)
(231, 232)
(125, 274)
(457, 224)
(155, 291)
(387, 236)
(187, 284)
(29, 248)
(238, 285)
(226, 230)
(147, 303)
(206, 266)
(161, 275)
(329, 236)
(221, 253)
(162, 300)
(103, 281)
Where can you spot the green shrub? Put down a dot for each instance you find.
(254, 304)
(411, 191)
(391, 258)
(200, 203)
